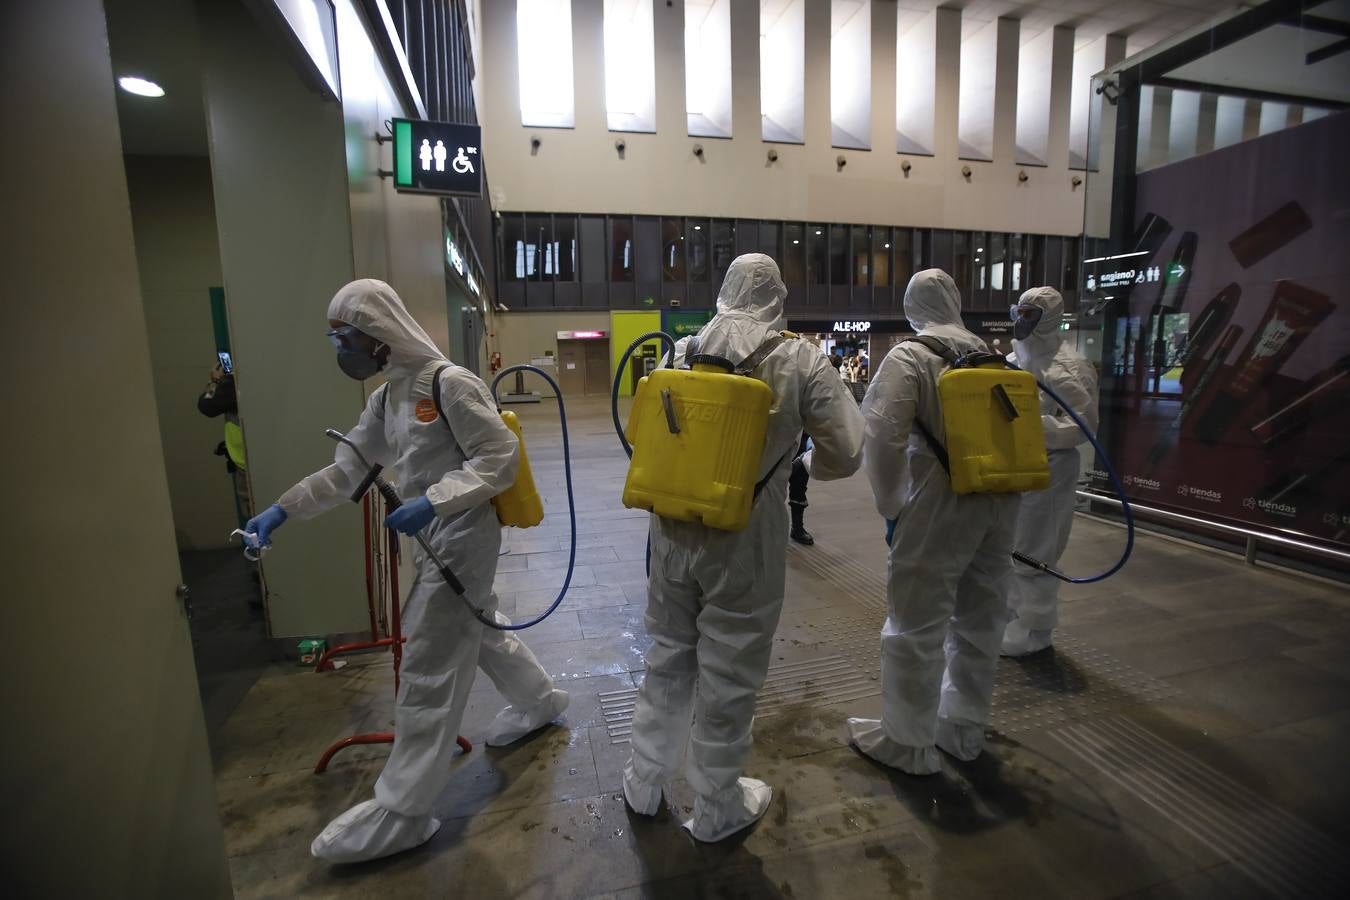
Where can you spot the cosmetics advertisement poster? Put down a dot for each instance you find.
(1226, 335)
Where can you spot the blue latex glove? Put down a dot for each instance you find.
(890, 530)
(266, 522)
(412, 516)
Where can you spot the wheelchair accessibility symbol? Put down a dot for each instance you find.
(461, 163)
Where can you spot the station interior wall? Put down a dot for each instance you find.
(579, 170)
(178, 254)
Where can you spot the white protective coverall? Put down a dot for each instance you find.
(459, 469)
(949, 556)
(714, 597)
(1045, 517)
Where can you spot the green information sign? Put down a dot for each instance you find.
(438, 158)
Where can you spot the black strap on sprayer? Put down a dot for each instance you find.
(941, 349)
(567, 471)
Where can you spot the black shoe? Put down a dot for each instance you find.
(802, 536)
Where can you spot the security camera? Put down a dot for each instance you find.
(906, 166)
(698, 150)
(620, 145)
(773, 155)
(965, 172)
(1022, 175)
(840, 161)
(1076, 180)
(534, 143)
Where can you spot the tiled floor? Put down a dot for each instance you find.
(1187, 738)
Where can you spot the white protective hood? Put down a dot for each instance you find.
(931, 298)
(1036, 352)
(374, 308)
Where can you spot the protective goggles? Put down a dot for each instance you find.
(352, 339)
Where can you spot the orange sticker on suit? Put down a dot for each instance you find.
(425, 411)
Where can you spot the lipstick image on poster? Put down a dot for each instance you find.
(1292, 314)
(1270, 234)
(1207, 327)
(1326, 391)
(1167, 440)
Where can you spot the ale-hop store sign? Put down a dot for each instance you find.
(849, 327)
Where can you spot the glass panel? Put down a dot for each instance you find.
(979, 261)
(621, 249)
(903, 248)
(817, 255)
(1054, 253)
(723, 248)
(839, 267)
(1068, 280)
(544, 55)
(696, 246)
(1016, 264)
(862, 262)
(1034, 275)
(592, 262)
(915, 72)
(672, 250)
(941, 251)
(707, 68)
(998, 262)
(565, 247)
(538, 237)
(794, 253)
(881, 257)
(514, 254)
(961, 264)
(851, 74)
(630, 66)
(782, 51)
(647, 250)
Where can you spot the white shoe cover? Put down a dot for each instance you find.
(869, 737)
(511, 724)
(1018, 640)
(716, 820)
(369, 831)
(960, 738)
(643, 799)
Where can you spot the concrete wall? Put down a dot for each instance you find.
(280, 176)
(173, 211)
(578, 170)
(395, 237)
(105, 768)
(520, 337)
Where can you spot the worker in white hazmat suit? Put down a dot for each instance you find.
(714, 597)
(446, 477)
(1045, 517)
(949, 554)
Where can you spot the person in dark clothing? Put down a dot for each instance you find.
(797, 497)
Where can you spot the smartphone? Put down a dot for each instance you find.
(226, 363)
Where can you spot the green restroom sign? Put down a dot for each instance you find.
(438, 158)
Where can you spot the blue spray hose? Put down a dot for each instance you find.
(614, 402)
(1115, 485)
(618, 380)
(571, 503)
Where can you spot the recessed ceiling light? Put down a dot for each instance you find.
(140, 86)
(888, 246)
(795, 241)
(698, 227)
(979, 249)
(817, 231)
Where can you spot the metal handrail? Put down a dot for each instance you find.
(1254, 538)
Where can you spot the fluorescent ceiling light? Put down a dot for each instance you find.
(140, 86)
